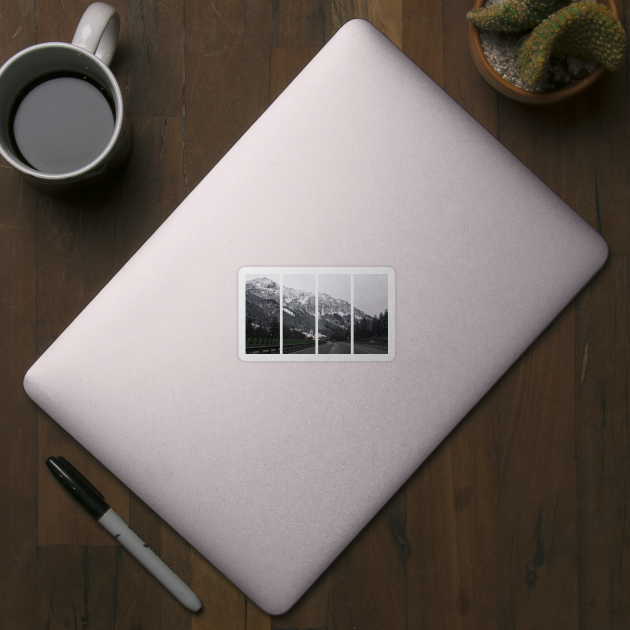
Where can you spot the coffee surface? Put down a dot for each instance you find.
(62, 124)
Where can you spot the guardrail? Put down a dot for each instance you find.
(294, 347)
(262, 349)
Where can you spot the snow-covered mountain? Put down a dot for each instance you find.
(262, 301)
(263, 288)
(262, 298)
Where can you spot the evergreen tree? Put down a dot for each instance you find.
(274, 328)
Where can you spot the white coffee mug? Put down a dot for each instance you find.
(86, 60)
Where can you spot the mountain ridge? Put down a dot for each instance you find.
(262, 297)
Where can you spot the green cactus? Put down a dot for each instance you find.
(584, 29)
(513, 16)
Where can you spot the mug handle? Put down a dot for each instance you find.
(98, 30)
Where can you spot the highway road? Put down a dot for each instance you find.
(343, 347)
(323, 349)
(368, 348)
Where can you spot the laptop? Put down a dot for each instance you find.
(316, 316)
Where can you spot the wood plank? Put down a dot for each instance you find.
(300, 22)
(537, 537)
(57, 23)
(18, 415)
(255, 618)
(61, 520)
(573, 148)
(17, 28)
(171, 157)
(603, 468)
(386, 15)
(152, 185)
(608, 128)
(565, 147)
(452, 527)
(226, 78)
(76, 587)
(154, 57)
(369, 577)
(423, 36)
(142, 600)
(18, 421)
(224, 606)
(461, 78)
(285, 64)
(313, 610)
(558, 147)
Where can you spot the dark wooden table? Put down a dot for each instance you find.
(518, 520)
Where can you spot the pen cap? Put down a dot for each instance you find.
(78, 486)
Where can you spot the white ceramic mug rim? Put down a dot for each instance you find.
(94, 164)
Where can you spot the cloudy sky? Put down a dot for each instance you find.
(300, 282)
(336, 285)
(370, 292)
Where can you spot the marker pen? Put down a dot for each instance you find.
(94, 502)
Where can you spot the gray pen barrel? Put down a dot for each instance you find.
(149, 559)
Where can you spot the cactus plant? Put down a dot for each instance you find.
(513, 16)
(583, 29)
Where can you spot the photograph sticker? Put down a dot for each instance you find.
(316, 313)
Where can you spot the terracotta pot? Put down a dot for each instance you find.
(518, 94)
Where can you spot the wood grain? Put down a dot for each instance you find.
(313, 610)
(452, 515)
(226, 78)
(537, 510)
(602, 380)
(76, 587)
(151, 187)
(224, 606)
(462, 81)
(422, 36)
(386, 15)
(573, 149)
(18, 416)
(61, 521)
(369, 577)
(300, 22)
(154, 57)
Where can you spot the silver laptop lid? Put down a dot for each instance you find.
(363, 187)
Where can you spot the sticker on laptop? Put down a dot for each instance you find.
(327, 314)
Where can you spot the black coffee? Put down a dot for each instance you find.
(61, 123)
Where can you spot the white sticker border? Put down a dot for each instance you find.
(391, 308)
